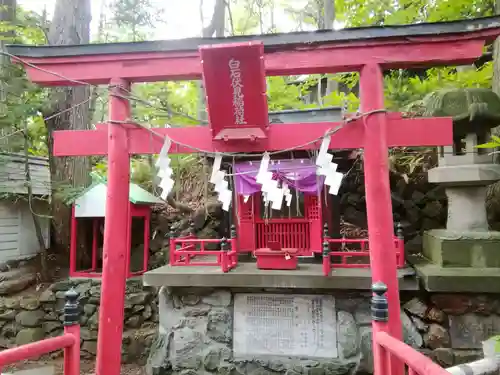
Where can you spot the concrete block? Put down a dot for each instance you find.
(462, 249)
(435, 278)
(472, 174)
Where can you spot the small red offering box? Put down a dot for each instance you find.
(283, 259)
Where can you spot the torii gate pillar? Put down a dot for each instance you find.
(378, 201)
(114, 275)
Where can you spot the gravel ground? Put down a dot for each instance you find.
(87, 367)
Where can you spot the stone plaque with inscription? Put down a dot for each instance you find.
(284, 325)
(470, 330)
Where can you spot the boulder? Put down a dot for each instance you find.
(30, 318)
(29, 303)
(20, 280)
(347, 334)
(29, 335)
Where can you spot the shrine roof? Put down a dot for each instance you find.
(274, 42)
(97, 192)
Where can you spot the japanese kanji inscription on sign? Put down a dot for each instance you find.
(284, 325)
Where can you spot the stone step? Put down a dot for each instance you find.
(46, 370)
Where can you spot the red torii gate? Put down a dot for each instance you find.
(365, 50)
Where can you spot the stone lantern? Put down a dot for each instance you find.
(465, 171)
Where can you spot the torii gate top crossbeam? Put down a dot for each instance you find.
(458, 42)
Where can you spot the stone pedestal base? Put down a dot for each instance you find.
(226, 331)
(466, 208)
(447, 248)
(435, 278)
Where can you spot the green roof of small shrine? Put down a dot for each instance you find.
(137, 195)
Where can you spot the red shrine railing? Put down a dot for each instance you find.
(191, 251)
(390, 348)
(69, 341)
(390, 355)
(354, 252)
(337, 252)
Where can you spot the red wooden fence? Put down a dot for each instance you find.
(390, 355)
(191, 251)
(386, 349)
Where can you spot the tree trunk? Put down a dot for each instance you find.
(44, 269)
(7, 15)
(216, 26)
(329, 11)
(70, 25)
(329, 18)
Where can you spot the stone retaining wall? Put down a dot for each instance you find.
(416, 204)
(196, 333)
(196, 327)
(29, 318)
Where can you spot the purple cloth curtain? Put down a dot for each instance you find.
(298, 174)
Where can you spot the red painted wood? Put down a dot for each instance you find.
(235, 86)
(378, 198)
(362, 253)
(332, 58)
(315, 218)
(400, 251)
(245, 224)
(73, 243)
(36, 349)
(172, 247)
(141, 211)
(289, 232)
(401, 132)
(185, 253)
(147, 234)
(415, 360)
(284, 259)
(95, 233)
(72, 353)
(115, 239)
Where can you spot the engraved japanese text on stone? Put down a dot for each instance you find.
(284, 325)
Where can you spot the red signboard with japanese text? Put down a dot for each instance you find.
(235, 87)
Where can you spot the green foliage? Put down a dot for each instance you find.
(252, 17)
(31, 27)
(283, 95)
(245, 17)
(20, 100)
(66, 192)
(133, 20)
(173, 103)
(401, 89)
(337, 99)
(356, 13)
(494, 143)
(308, 14)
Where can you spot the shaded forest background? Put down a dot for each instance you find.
(30, 114)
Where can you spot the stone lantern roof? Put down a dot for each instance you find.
(474, 110)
